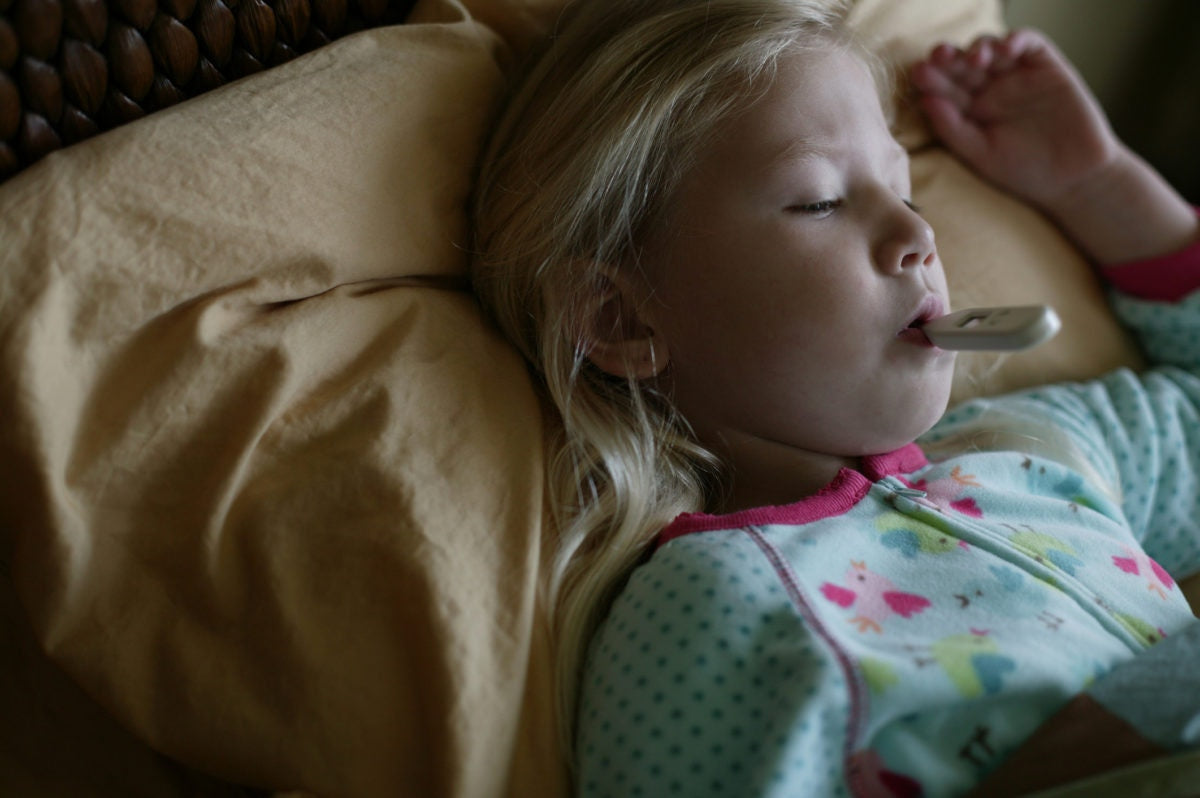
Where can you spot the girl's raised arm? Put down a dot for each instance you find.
(1017, 112)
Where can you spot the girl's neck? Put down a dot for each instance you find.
(764, 473)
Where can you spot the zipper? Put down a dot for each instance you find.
(909, 501)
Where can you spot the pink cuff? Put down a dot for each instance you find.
(1168, 278)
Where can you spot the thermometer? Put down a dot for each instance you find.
(1005, 329)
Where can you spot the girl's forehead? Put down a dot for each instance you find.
(818, 102)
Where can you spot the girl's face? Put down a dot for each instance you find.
(785, 280)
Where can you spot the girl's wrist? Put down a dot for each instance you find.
(1168, 278)
(1124, 211)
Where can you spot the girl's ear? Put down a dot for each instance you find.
(620, 339)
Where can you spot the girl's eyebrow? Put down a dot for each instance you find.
(798, 149)
(802, 149)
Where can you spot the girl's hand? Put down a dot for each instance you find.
(1017, 113)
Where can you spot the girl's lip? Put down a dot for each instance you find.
(931, 307)
(915, 335)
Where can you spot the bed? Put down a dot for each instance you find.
(271, 506)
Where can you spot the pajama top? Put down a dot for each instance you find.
(905, 629)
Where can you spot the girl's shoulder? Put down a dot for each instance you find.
(702, 585)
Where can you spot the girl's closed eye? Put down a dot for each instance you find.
(819, 208)
(912, 206)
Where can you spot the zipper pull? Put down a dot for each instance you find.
(910, 493)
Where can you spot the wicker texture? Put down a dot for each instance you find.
(72, 68)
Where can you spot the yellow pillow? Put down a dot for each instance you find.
(278, 509)
(275, 509)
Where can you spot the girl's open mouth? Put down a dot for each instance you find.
(931, 307)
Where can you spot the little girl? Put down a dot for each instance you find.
(695, 223)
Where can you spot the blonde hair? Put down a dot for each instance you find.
(581, 168)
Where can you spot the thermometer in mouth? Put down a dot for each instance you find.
(1003, 329)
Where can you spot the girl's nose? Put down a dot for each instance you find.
(908, 242)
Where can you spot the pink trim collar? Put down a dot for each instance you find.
(843, 492)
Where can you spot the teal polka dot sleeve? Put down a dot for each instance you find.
(1155, 434)
(704, 682)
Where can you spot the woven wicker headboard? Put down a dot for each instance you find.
(72, 68)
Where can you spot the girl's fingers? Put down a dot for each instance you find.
(957, 65)
(1023, 41)
(958, 74)
(932, 80)
(981, 54)
(952, 127)
(944, 54)
(968, 69)
(1029, 47)
(1003, 59)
